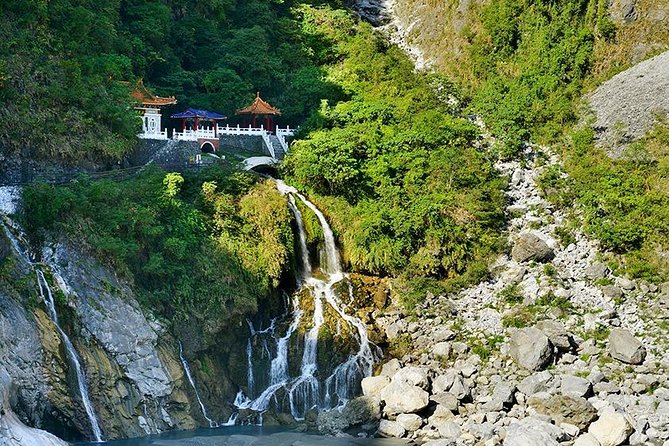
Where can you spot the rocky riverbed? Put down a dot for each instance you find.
(553, 349)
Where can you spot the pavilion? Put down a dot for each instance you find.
(260, 108)
(150, 106)
(197, 116)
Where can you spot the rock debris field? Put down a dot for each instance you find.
(553, 350)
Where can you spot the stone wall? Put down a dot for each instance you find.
(242, 143)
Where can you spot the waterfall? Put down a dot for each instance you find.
(308, 389)
(184, 362)
(47, 297)
(18, 242)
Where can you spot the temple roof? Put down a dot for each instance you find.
(148, 99)
(196, 113)
(258, 107)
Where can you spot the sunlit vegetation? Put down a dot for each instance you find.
(203, 246)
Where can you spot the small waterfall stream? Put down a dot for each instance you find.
(308, 389)
(189, 375)
(47, 297)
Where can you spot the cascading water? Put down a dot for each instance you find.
(7, 201)
(47, 297)
(308, 389)
(189, 375)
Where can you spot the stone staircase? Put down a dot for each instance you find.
(276, 145)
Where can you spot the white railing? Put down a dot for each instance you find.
(194, 135)
(268, 144)
(251, 131)
(156, 135)
(206, 132)
(281, 136)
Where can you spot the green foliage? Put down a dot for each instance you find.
(63, 64)
(624, 201)
(396, 172)
(202, 246)
(511, 294)
(400, 346)
(532, 58)
(484, 349)
(551, 300)
(550, 270)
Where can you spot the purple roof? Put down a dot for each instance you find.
(202, 114)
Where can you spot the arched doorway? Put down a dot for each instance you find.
(207, 147)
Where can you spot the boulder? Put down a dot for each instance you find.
(502, 397)
(529, 246)
(612, 291)
(357, 412)
(537, 382)
(391, 367)
(391, 429)
(564, 408)
(530, 348)
(447, 428)
(557, 333)
(409, 421)
(625, 284)
(441, 334)
(443, 383)
(586, 439)
(624, 347)
(575, 385)
(373, 385)
(596, 271)
(440, 442)
(611, 429)
(442, 349)
(413, 376)
(532, 432)
(446, 399)
(403, 398)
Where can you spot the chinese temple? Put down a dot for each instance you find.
(197, 116)
(150, 105)
(259, 107)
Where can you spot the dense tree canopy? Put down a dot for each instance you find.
(63, 63)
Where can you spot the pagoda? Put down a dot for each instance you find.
(260, 107)
(150, 106)
(197, 116)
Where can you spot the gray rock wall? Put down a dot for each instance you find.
(12, 431)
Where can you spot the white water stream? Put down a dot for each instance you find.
(47, 297)
(189, 375)
(309, 389)
(8, 198)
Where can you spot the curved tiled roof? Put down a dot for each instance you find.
(148, 99)
(259, 107)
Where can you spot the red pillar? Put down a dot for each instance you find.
(183, 124)
(195, 127)
(254, 121)
(269, 124)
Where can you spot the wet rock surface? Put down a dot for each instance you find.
(12, 431)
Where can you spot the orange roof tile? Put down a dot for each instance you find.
(259, 107)
(148, 99)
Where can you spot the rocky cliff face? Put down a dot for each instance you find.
(131, 361)
(12, 431)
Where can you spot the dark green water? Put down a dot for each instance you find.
(246, 436)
